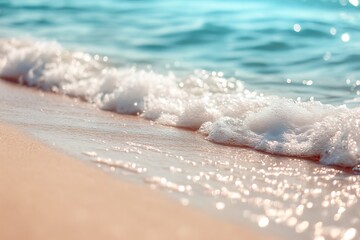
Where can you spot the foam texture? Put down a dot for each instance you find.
(219, 108)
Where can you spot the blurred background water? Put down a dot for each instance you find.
(292, 48)
(298, 49)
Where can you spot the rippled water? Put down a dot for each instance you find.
(285, 197)
(218, 67)
(294, 48)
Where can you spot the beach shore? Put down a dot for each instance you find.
(45, 194)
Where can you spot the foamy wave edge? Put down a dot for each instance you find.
(219, 108)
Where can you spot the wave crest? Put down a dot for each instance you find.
(217, 107)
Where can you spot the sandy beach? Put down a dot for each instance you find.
(47, 195)
(179, 119)
(98, 192)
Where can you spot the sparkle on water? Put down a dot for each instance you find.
(287, 196)
(315, 201)
(280, 195)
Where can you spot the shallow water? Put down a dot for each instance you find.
(301, 50)
(219, 108)
(286, 197)
(222, 68)
(242, 73)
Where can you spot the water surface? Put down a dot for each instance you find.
(298, 49)
(217, 68)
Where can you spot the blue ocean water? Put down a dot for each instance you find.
(201, 58)
(279, 77)
(297, 49)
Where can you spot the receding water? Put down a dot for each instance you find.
(285, 197)
(277, 76)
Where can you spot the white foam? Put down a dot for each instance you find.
(219, 108)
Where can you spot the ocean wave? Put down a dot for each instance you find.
(220, 108)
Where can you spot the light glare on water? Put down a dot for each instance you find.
(280, 195)
(218, 68)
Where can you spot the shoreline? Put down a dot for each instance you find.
(46, 194)
(260, 193)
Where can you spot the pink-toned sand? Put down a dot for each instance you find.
(47, 195)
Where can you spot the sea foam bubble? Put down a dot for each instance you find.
(217, 107)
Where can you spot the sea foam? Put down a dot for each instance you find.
(219, 108)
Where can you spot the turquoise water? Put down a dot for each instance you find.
(270, 75)
(300, 50)
(296, 49)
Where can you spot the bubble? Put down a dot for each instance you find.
(345, 37)
(301, 227)
(220, 205)
(263, 221)
(349, 234)
(297, 27)
(333, 31)
(354, 2)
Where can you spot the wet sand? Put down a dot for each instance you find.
(270, 195)
(47, 195)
